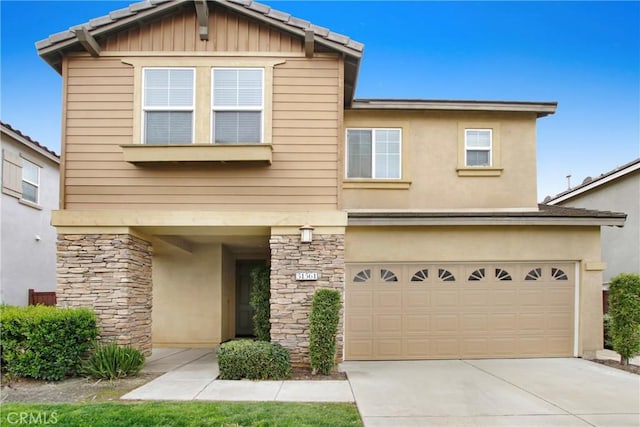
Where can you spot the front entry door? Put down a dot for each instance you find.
(244, 312)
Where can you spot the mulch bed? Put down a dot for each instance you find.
(304, 374)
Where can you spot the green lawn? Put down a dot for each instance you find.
(219, 414)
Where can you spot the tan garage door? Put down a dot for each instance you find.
(445, 311)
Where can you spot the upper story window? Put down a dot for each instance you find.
(237, 104)
(168, 105)
(374, 153)
(478, 145)
(30, 181)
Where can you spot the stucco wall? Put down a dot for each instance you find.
(620, 246)
(512, 243)
(431, 157)
(187, 308)
(25, 261)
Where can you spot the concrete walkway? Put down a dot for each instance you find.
(191, 375)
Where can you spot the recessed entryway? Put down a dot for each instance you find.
(244, 311)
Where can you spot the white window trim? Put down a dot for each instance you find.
(213, 108)
(467, 148)
(145, 108)
(373, 154)
(35, 184)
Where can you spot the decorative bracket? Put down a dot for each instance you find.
(202, 10)
(88, 41)
(309, 40)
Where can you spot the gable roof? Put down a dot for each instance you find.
(26, 140)
(53, 47)
(590, 184)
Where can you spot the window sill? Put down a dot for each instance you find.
(141, 153)
(479, 171)
(30, 204)
(384, 184)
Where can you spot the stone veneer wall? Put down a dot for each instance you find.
(291, 299)
(110, 273)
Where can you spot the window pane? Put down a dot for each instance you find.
(168, 88)
(237, 88)
(478, 158)
(29, 192)
(359, 152)
(30, 172)
(387, 153)
(237, 126)
(168, 127)
(478, 138)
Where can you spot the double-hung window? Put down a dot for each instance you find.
(237, 103)
(478, 146)
(374, 153)
(30, 181)
(168, 105)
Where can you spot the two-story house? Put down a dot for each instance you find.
(203, 137)
(30, 186)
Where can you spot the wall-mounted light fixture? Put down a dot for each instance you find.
(306, 233)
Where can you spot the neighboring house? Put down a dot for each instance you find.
(30, 187)
(617, 190)
(200, 137)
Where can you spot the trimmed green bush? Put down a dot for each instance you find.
(323, 328)
(260, 295)
(254, 360)
(624, 309)
(606, 323)
(110, 361)
(45, 342)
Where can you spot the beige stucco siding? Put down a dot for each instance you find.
(187, 297)
(303, 175)
(494, 244)
(431, 151)
(228, 32)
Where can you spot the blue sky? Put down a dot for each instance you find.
(584, 55)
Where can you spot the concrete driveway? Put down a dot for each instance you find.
(522, 392)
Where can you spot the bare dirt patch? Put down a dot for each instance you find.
(634, 369)
(69, 390)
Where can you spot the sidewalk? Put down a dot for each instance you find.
(191, 375)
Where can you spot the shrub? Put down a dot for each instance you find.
(606, 323)
(45, 342)
(624, 309)
(260, 295)
(323, 328)
(254, 360)
(110, 361)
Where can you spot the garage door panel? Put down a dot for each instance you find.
(416, 324)
(388, 348)
(387, 324)
(387, 300)
(439, 311)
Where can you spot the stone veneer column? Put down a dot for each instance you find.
(291, 299)
(111, 274)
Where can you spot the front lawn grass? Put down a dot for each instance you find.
(219, 414)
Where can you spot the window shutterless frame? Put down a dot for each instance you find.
(218, 106)
(374, 153)
(31, 181)
(167, 108)
(478, 147)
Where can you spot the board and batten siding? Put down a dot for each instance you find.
(303, 176)
(228, 32)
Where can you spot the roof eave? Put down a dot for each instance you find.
(31, 144)
(541, 109)
(363, 220)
